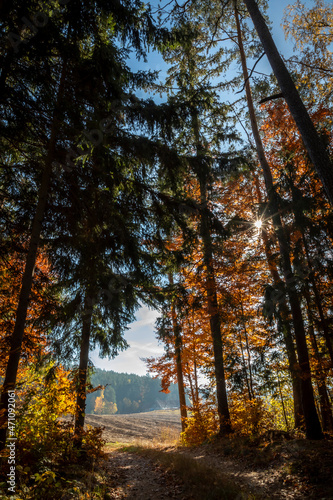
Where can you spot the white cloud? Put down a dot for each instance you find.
(145, 316)
(143, 344)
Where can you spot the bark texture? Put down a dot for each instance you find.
(179, 364)
(83, 368)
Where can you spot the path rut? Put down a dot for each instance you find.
(139, 478)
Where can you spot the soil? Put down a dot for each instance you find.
(139, 478)
(287, 470)
(271, 470)
(160, 425)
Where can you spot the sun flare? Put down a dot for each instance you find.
(258, 223)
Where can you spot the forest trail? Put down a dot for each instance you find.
(139, 478)
(139, 473)
(144, 462)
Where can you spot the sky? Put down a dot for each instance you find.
(143, 344)
(140, 335)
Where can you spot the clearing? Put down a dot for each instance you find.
(134, 427)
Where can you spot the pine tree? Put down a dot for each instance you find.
(52, 101)
(204, 129)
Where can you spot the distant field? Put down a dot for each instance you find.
(159, 425)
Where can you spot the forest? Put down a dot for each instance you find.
(203, 190)
(128, 393)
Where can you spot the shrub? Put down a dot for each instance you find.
(200, 426)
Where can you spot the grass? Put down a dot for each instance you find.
(168, 436)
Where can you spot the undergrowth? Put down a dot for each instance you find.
(60, 471)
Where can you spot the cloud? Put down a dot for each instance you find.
(145, 316)
(143, 344)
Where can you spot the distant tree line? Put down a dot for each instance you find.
(128, 393)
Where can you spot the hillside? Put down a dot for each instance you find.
(153, 425)
(128, 393)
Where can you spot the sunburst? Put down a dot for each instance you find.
(258, 224)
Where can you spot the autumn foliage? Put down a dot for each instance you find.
(42, 303)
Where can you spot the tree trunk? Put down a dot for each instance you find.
(284, 327)
(311, 274)
(313, 143)
(320, 377)
(312, 423)
(214, 317)
(210, 284)
(179, 365)
(248, 351)
(282, 402)
(27, 279)
(83, 367)
(244, 367)
(323, 320)
(195, 403)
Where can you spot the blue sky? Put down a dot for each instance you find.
(140, 335)
(143, 344)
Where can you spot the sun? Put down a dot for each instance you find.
(258, 223)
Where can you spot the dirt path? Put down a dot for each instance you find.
(294, 470)
(139, 478)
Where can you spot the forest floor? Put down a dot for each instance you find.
(145, 462)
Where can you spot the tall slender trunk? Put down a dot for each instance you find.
(282, 403)
(311, 274)
(313, 143)
(210, 283)
(247, 351)
(323, 319)
(214, 317)
(195, 402)
(83, 368)
(196, 383)
(245, 368)
(179, 364)
(27, 279)
(312, 423)
(284, 327)
(319, 376)
(293, 365)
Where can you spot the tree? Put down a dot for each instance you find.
(312, 423)
(61, 89)
(204, 130)
(313, 143)
(42, 302)
(178, 358)
(45, 393)
(310, 211)
(311, 31)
